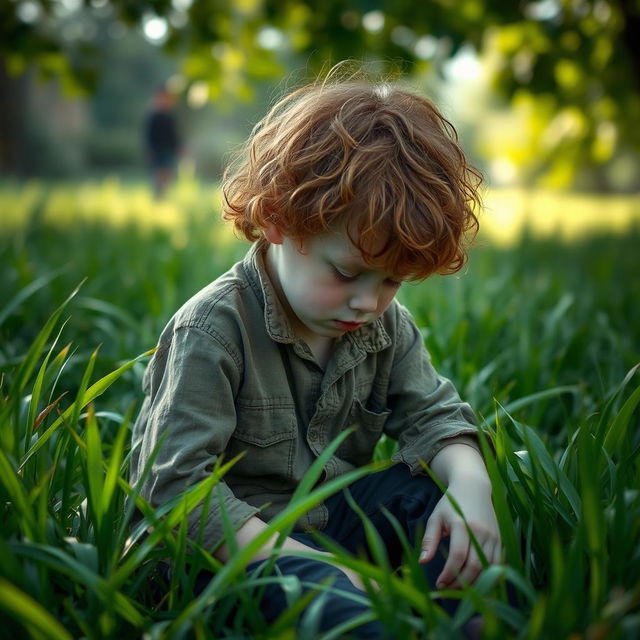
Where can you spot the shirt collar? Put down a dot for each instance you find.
(371, 337)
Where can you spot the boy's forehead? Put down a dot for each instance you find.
(337, 245)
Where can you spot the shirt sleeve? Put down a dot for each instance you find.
(427, 413)
(189, 415)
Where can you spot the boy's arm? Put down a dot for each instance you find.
(463, 471)
(433, 425)
(248, 531)
(254, 526)
(187, 420)
(427, 413)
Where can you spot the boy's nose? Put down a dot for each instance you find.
(365, 301)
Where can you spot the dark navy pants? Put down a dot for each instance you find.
(410, 499)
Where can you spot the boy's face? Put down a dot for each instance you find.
(326, 286)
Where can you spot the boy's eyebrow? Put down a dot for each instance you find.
(349, 263)
(354, 264)
(346, 260)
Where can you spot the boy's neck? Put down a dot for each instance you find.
(322, 349)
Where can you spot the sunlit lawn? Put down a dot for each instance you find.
(507, 211)
(541, 333)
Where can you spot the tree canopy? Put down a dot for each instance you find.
(579, 60)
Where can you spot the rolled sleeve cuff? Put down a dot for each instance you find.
(424, 450)
(210, 533)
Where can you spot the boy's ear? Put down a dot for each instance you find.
(273, 234)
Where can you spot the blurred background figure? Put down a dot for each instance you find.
(162, 141)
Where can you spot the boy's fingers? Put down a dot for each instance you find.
(473, 566)
(471, 570)
(458, 552)
(492, 549)
(431, 539)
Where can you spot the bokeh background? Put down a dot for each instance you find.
(545, 94)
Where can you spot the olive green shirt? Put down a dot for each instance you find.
(230, 376)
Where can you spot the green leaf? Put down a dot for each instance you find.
(94, 470)
(500, 503)
(30, 613)
(59, 560)
(374, 541)
(163, 519)
(36, 391)
(540, 456)
(19, 498)
(114, 465)
(27, 292)
(76, 407)
(619, 427)
(26, 367)
(92, 393)
(520, 403)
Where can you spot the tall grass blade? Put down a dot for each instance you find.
(500, 504)
(33, 354)
(533, 398)
(19, 497)
(114, 468)
(91, 394)
(618, 430)
(374, 541)
(94, 471)
(593, 524)
(162, 520)
(58, 560)
(26, 292)
(553, 474)
(31, 614)
(77, 407)
(36, 391)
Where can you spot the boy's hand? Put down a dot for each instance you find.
(469, 485)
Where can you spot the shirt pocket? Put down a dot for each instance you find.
(267, 438)
(359, 446)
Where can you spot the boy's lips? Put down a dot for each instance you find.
(349, 326)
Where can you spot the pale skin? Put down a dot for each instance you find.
(326, 289)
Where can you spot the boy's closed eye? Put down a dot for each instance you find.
(344, 276)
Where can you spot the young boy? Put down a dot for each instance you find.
(348, 189)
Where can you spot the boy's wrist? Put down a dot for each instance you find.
(459, 463)
(470, 481)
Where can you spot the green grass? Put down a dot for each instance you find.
(542, 337)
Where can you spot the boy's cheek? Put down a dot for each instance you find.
(385, 302)
(324, 298)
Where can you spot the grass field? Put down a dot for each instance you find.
(541, 333)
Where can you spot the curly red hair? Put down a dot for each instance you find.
(373, 159)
